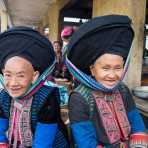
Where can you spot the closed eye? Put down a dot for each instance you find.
(118, 68)
(7, 75)
(21, 76)
(106, 68)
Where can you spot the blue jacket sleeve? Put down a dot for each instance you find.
(84, 134)
(136, 121)
(3, 128)
(44, 135)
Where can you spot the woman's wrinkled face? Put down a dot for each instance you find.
(108, 69)
(18, 76)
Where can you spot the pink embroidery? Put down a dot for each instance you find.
(109, 122)
(121, 115)
(20, 128)
(113, 116)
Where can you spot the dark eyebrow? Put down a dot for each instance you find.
(6, 71)
(21, 72)
(118, 65)
(106, 65)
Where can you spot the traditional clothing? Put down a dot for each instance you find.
(33, 119)
(101, 116)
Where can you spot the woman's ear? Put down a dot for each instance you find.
(92, 70)
(2, 71)
(35, 76)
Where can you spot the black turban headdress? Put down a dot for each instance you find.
(29, 44)
(106, 34)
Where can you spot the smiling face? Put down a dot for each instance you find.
(18, 76)
(57, 48)
(108, 69)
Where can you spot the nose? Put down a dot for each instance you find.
(13, 81)
(112, 74)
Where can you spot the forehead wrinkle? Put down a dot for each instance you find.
(9, 71)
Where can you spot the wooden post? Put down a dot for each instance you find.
(4, 20)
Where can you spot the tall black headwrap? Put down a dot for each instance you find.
(29, 44)
(106, 34)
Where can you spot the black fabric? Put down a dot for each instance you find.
(5, 104)
(78, 108)
(128, 98)
(2, 115)
(107, 34)
(79, 111)
(29, 44)
(48, 113)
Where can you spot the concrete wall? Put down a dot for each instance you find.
(52, 19)
(4, 20)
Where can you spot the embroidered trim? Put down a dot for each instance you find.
(86, 93)
(20, 127)
(139, 140)
(113, 116)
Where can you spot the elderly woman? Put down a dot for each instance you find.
(29, 110)
(101, 109)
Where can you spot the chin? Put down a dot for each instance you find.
(15, 95)
(110, 86)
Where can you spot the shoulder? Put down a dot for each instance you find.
(47, 92)
(5, 101)
(84, 91)
(127, 97)
(79, 107)
(80, 95)
(46, 96)
(76, 98)
(123, 86)
(4, 96)
(124, 90)
(83, 95)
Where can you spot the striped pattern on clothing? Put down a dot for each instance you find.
(60, 141)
